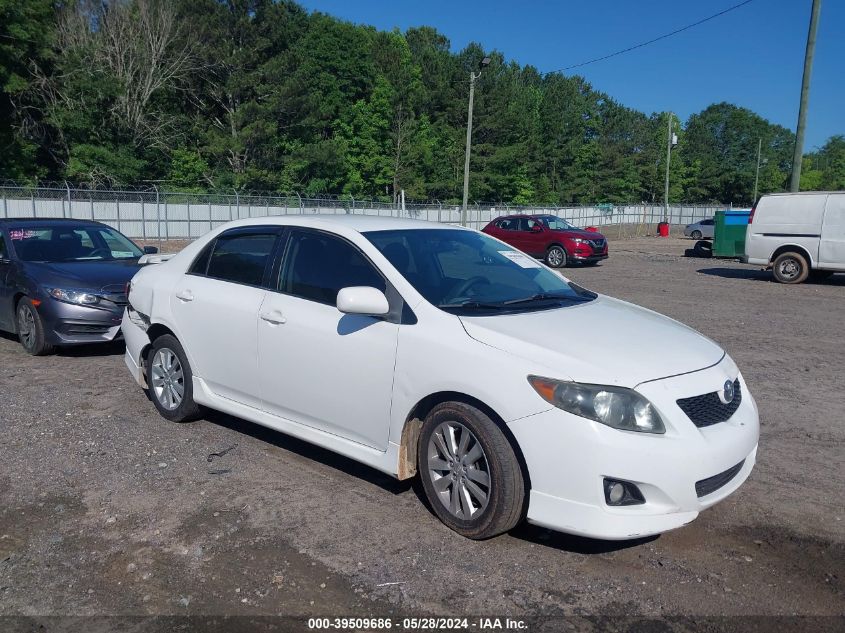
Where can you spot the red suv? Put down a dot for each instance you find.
(549, 238)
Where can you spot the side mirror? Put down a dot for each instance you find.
(150, 250)
(536, 229)
(362, 300)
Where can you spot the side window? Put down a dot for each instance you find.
(525, 224)
(511, 224)
(317, 266)
(241, 258)
(200, 265)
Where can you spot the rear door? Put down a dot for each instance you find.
(832, 244)
(216, 306)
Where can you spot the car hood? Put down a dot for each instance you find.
(90, 275)
(605, 341)
(582, 235)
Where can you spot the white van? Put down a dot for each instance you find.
(798, 235)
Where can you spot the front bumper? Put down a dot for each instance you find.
(568, 458)
(70, 324)
(582, 259)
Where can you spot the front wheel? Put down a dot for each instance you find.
(790, 268)
(470, 474)
(696, 235)
(31, 329)
(171, 381)
(556, 257)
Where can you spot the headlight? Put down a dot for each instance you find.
(79, 297)
(616, 407)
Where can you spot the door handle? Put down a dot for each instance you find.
(273, 316)
(185, 295)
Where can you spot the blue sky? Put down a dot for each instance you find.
(752, 56)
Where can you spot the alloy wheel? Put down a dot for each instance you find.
(26, 326)
(459, 470)
(556, 257)
(168, 380)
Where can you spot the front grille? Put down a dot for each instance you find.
(712, 484)
(597, 244)
(708, 409)
(85, 328)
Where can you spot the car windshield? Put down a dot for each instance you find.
(465, 272)
(554, 223)
(64, 243)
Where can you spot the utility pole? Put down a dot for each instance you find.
(472, 77)
(757, 173)
(798, 155)
(666, 185)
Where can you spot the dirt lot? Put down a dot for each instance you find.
(105, 508)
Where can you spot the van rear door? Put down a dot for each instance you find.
(832, 244)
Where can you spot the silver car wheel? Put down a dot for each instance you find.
(168, 380)
(789, 268)
(459, 470)
(26, 326)
(556, 256)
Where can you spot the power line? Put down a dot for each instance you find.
(656, 39)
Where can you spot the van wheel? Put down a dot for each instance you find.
(469, 472)
(556, 257)
(171, 380)
(790, 268)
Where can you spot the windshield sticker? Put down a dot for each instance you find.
(119, 254)
(20, 234)
(520, 259)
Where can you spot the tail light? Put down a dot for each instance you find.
(751, 215)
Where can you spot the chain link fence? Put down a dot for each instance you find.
(154, 214)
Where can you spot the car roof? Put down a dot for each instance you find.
(48, 221)
(358, 223)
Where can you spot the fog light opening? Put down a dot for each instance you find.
(622, 493)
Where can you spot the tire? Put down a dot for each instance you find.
(696, 235)
(790, 268)
(30, 329)
(703, 248)
(556, 257)
(484, 463)
(170, 380)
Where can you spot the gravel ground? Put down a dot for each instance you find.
(106, 508)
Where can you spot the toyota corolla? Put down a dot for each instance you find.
(434, 351)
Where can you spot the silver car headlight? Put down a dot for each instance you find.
(617, 407)
(79, 297)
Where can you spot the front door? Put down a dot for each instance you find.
(7, 310)
(832, 244)
(318, 366)
(216, 306)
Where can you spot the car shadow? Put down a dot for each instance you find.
(309, 451)
(755, 274)
(572, 543)
(113, 348)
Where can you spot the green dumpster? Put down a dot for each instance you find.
(729, 232)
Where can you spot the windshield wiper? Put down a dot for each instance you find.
(480, 305)
(545, 296)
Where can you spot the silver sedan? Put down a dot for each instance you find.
(702, 229)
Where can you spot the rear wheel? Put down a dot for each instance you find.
(556, 257)
(790, 268)
(171, 381)
(31, 329)
(469, 471)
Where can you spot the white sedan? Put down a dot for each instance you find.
(431, 350)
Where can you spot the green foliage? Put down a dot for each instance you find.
(268, 96)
